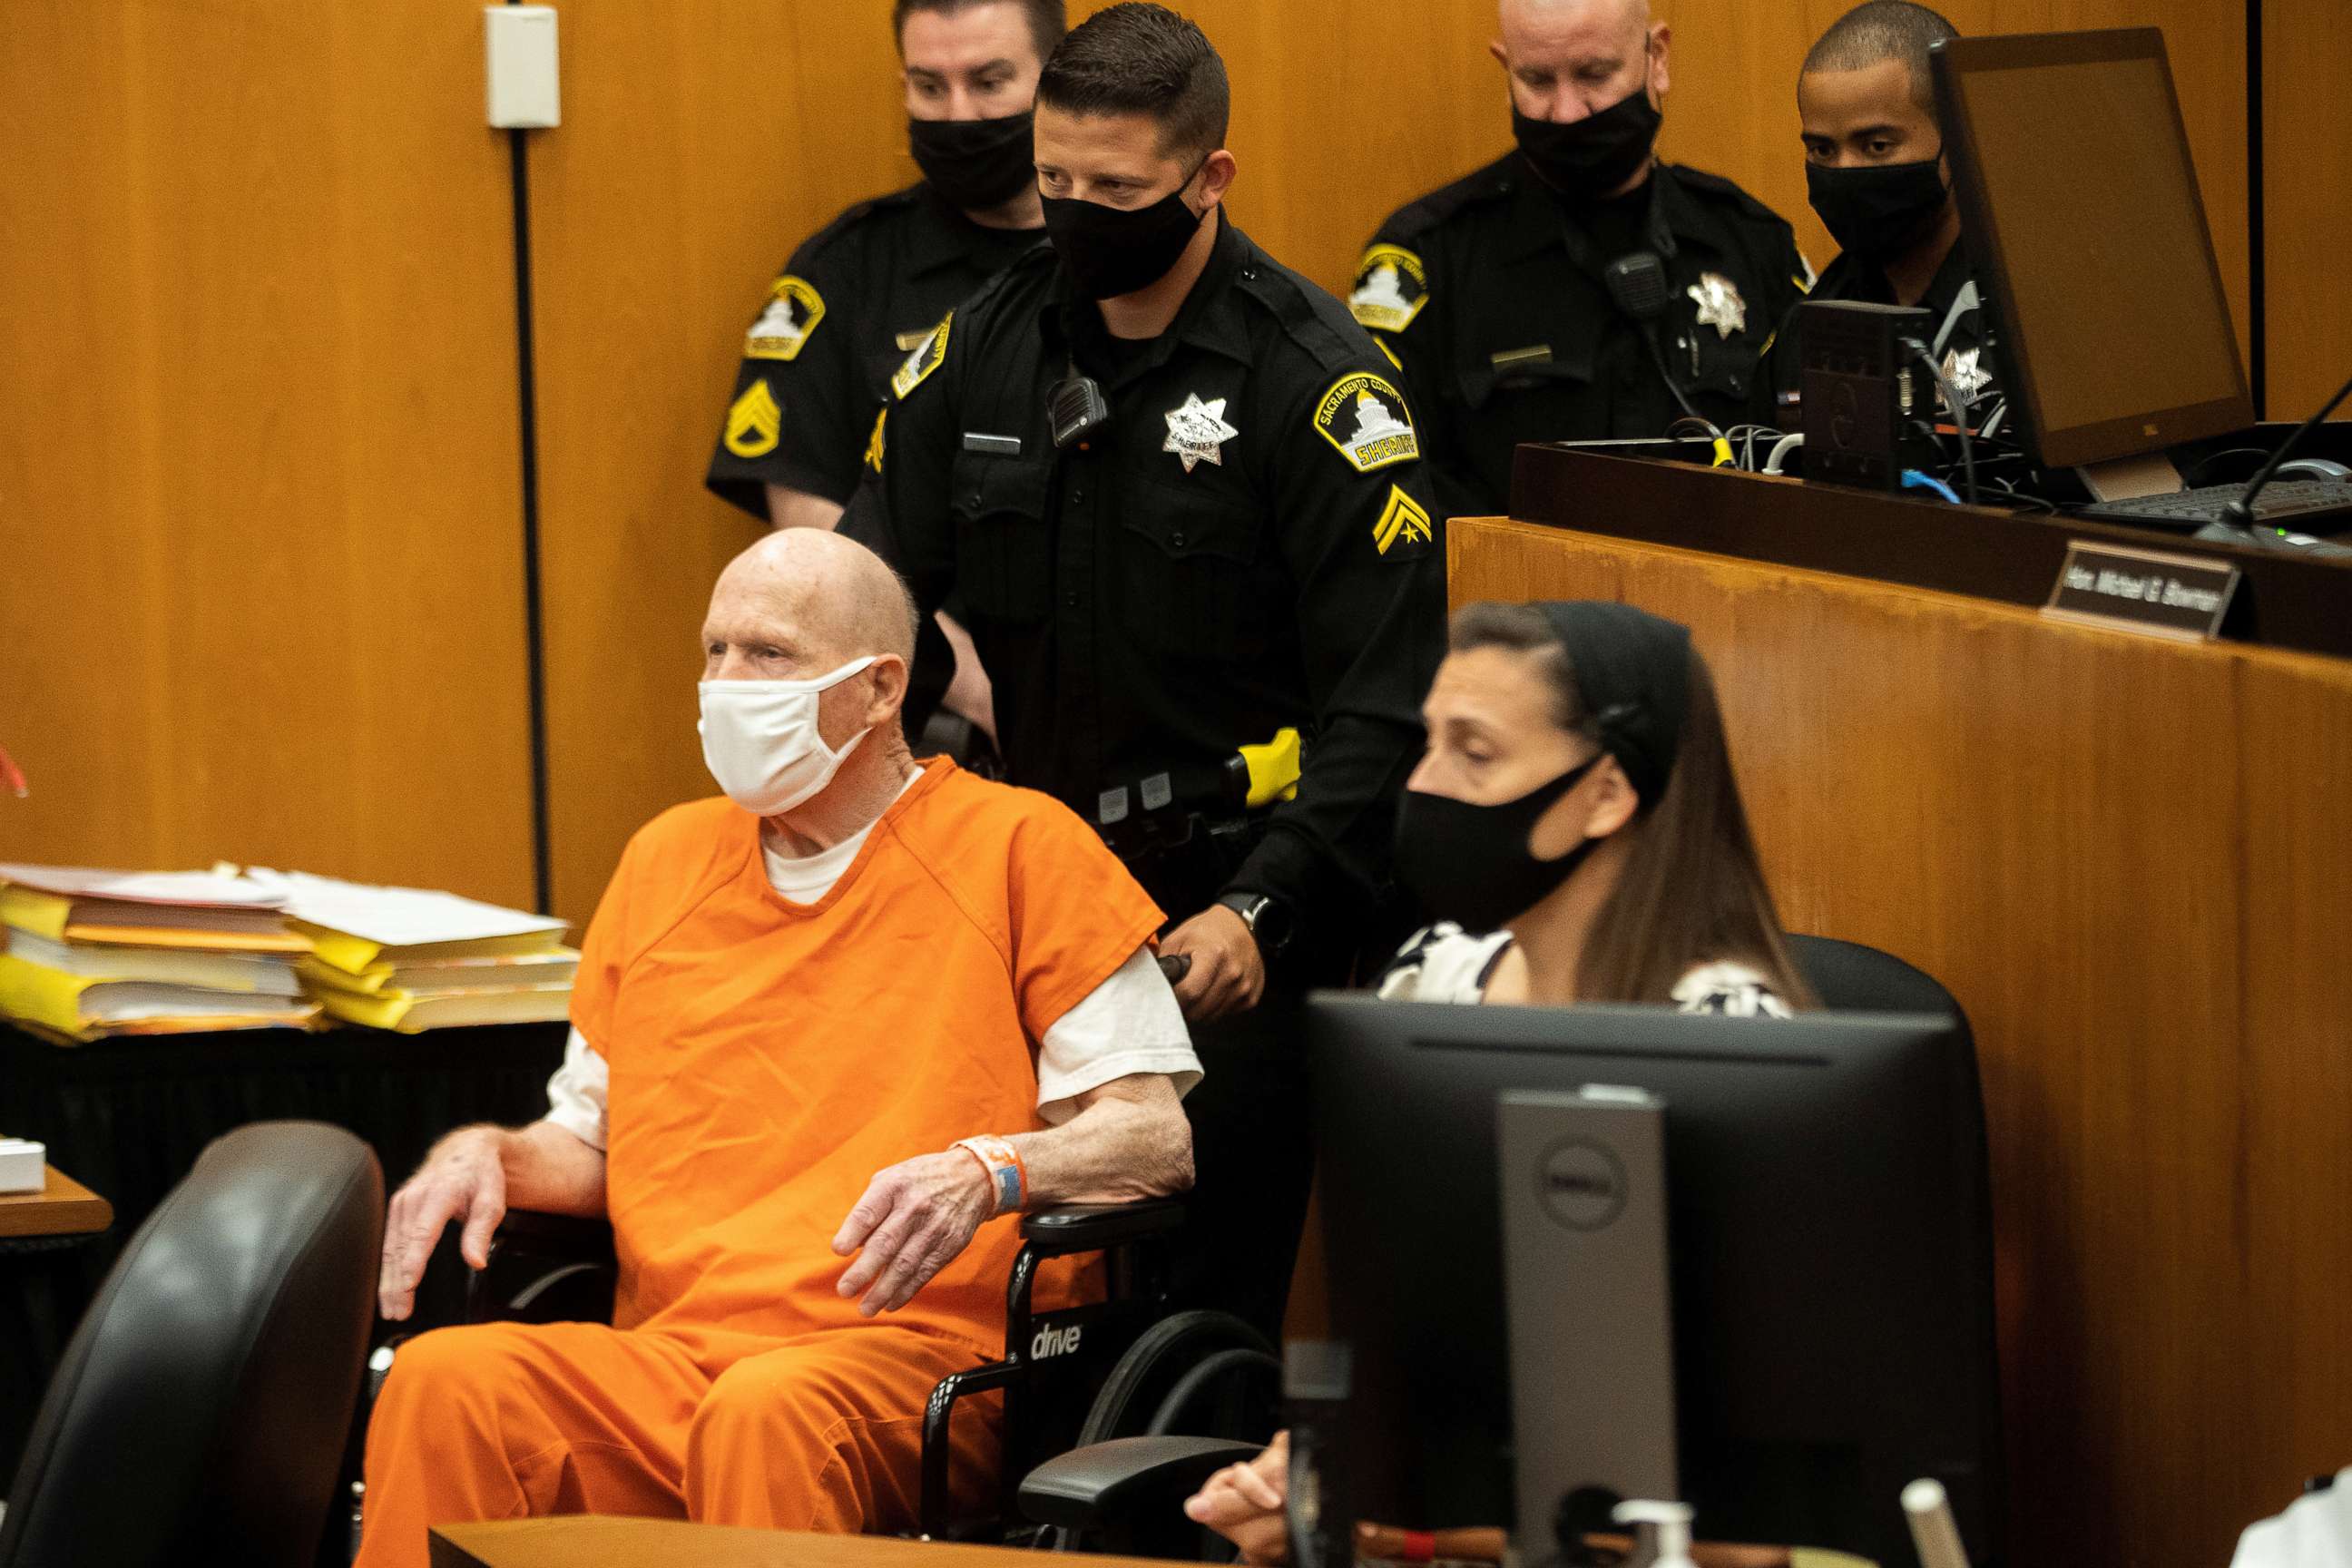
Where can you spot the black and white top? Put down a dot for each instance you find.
(1446, 963)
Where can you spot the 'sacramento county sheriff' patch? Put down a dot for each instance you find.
(754, 422)
(924, 360)
(1364, 417)
(782, 330)
(1392, 285)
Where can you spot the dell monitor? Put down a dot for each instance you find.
(1827, 1260)
(2088, 237)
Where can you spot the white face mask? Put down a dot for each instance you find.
(760, 740)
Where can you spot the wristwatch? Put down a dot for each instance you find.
(1271, 924)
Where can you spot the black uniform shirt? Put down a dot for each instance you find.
(1247, 546)
(848, 307)
(1966, 356)
(1490, 293)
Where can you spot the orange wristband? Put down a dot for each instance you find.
(1006, 1172)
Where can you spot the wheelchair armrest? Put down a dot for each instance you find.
(1091, 1227)
(1089, 1488)
(563, 1237)
(544, 1268)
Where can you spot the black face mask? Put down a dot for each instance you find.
(1109, 251)
(1592, 156)
(1471, 864)
(976, 165)
(1875, 211)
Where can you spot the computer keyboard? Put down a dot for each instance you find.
(2310, 506)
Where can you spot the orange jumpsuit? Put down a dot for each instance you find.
(767, 1059)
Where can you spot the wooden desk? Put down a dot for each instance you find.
(594, 1542)
(64, 1207)
(2131, 861)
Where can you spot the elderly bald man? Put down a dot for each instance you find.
(829, 1030)
(1494, 293)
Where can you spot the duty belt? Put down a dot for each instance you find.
(1167, 808)
(1183, 831)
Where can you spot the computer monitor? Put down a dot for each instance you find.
(1831, 1260)
(2088, 238)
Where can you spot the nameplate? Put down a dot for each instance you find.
(995, 445)
(2179, 596)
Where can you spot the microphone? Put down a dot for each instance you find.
(2241, 512)
(1638, 285)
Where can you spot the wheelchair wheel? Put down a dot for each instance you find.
(1197, 1374)
(1172, 1369)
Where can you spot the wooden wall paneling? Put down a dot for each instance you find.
(701, 142)
(2307, 200)
(2294, 754)
(263, 589)
(2034, 814)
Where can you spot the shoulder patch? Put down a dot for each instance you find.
(794, 307)
(875, 444)
(1364, 419)
(1392, 285)
(754, 422)
(1405, 518)
(927, 357)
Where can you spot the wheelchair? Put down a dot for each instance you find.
(1121, 1369)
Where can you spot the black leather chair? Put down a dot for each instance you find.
(1851, 978)
(200, 1412)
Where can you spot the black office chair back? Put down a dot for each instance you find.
(1851, 978)
(200, 1412)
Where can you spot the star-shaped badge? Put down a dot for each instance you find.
(1719, 304)
(1964, 369)
(1198, 432)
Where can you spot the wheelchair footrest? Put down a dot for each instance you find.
(1089, 1486)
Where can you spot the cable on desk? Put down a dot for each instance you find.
(1913, 480)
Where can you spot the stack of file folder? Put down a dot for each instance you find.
(90, 954)
(409, 959)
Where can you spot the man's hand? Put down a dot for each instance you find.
(915, 1219)
(970, 694)
(1243, 1503)
(1228, 973)
(464, 1178)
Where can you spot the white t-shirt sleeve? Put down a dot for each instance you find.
(575, 1095)
(1130, 1024)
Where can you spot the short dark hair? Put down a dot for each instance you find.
(1880, 30)
(1048, 19)
(1140, 58)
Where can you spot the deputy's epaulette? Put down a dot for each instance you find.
(1497, 181)
(1309, 317)
(1716, 187)
(855, 217)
